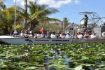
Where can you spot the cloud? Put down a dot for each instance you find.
(51, 3)
(22, 2)
(54, 3)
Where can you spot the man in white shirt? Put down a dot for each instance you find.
(53, 35)
(79, 36)
(92, 36)
(67, 36)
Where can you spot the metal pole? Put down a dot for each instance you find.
(15, 18)
(63, 26)
(15, 32)
(26, 14)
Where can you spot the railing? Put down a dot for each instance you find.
(48, 41)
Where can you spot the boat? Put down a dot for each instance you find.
(22, 40)
(10, 39)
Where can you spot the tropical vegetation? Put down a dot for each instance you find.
(35, 14)
(74, 56)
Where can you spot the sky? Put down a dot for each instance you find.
(69, 8)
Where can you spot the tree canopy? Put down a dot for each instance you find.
(35, 13)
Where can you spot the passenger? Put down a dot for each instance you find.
(22, 34)
(86, 35)
(47, 35)
(30, 35)
(26, 34)
(35, 35)
(67, 36)
(15, 32)
(42, 35)
(53, 35)
(38, 35)
(79, 35)
(30, 32)
(93, 36)
(62, 35)
(57, 35)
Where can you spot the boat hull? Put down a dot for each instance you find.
(18, 41)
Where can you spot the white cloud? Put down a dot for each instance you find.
(54, 3)
(50, 3)
(22, 2)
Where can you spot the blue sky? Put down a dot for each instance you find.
(71, 8)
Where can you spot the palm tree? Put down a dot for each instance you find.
(7, 16)
(7, 19)
(35, 13)
(2, 5)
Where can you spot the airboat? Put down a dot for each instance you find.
(22, 40)
(19, 40)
